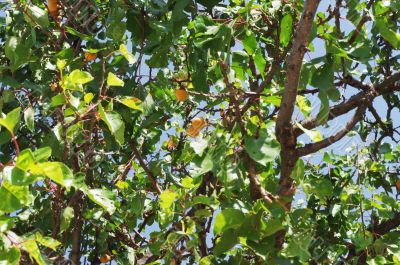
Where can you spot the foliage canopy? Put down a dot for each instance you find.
(194, 132)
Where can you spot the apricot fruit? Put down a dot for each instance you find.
(192, 132)
(181, 94)
(53, 8)
(198, 123)
(171, 144)
(90, 56)
(105, 258)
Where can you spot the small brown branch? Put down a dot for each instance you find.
(386, 226)
(256, 190)
(146, 169)
(365, 18)
(14, 139)
(76, 233)
(127, 167)
(349, 80)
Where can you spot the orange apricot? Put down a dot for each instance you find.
(90, 56)
(105, 258)
(181, 94)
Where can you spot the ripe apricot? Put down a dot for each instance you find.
(192, 132)
(198, 123)
(90, 56)
(171, 144)
(53, 8)
(398, 185)
(181, 94)
(105, 258)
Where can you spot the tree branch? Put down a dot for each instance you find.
(146, 169)
(314, 147)
(284, 127)
(386, 86)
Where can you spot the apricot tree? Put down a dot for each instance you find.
(199, 132)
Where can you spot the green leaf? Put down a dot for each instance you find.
(378, 260)
(61, 64)
(274, 100)
(322, 188)
(304, 105)
(128, 56)
(11, 120)
(17, 52)
(227, 241)
(36, 16)
(57, 100)
(286, 30)
(114, 123)
(250, 43)
(391, 36)
(262, 150)
(226, 219)
(314, 135)
(66, 217)
(298, 171)
(104, 198)
(25, 160)
(113, 80)
(360, 242)
(14, 197)
(32, 248)
(324, 110)
(130, 102)
(203, 165)
(272, 226)
(59, 173)
(12, 257)
(29, 117)
(80, 77)
(6, 223)
(47, 241)
(260, 62)
(298, 247)
(167, 199)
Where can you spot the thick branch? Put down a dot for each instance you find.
(386, 86)
(284, 127)
(294, 63)
(314, 147)
(386, 226)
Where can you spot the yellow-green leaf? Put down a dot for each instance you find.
(128, 56)
(113, 80)
(314, 135)
(61, 64)
(11, 120)
(167, 198)
(130, 102)
(80, 77)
